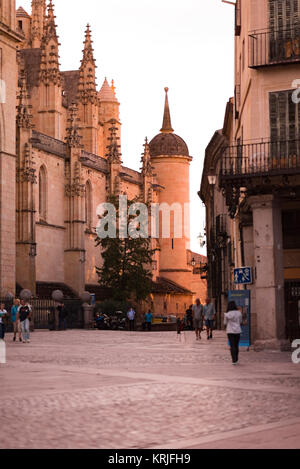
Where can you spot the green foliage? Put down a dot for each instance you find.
(127, 262)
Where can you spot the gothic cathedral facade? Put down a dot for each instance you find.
(60, 158)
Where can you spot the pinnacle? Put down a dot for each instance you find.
(50, 26)
(88, 50)
(167, 126)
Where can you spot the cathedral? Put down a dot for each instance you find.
(60, 157)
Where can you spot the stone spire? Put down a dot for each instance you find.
(49, 63)
(87, 82)
(167, 126)
(147, 169)
(49, 24)
(113, 155)
(113, 87)
(24, 116)
(38, 8)
(147, 173)
(73, 138)
(114, 160)
(88, 51)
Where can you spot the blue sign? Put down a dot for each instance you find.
(242, 299)
(93, 299)
(243, 276)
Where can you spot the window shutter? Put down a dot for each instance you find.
(274, 117)
(282, 116)
(283, 15)
(284, 123)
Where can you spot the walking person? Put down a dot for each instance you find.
(144, 322)
(179, 328)
(131, 316)
(198, 318)
(24, 316)
(149, 317)
(3, 313)
(189, 317)
(62, 317)
(233, 319)
(209, 313)
(15, 321)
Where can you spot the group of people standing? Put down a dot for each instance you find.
(203, 315)
(200, 315)
(20, 316)
(147, 319)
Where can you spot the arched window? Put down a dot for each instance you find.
(88, 205)
(42, 194)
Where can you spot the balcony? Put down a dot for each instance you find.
(269, 48)
(259, 168)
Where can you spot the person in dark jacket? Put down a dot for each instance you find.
(24, 316)
(62, 317)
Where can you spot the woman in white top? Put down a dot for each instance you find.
(233, 320)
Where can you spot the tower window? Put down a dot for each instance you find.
(20, 25)
(42, 194)
(88, 205)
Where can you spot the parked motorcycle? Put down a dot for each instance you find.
(102, 322)
(118, 321)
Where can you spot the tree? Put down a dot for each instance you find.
(127, 261)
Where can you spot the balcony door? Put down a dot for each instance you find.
(284, 126)
(284, 25)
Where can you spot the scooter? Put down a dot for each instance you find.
(102, 322)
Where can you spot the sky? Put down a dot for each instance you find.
(146, 45)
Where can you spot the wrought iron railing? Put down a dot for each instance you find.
(261, 158)
(274, 47)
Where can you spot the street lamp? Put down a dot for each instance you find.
(193, 262)
(212, 177)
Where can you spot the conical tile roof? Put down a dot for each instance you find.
(21, 13)
(107, 93)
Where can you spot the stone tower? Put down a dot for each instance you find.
(50, 111)
(171, 163)
(109, 113)
(9, 40)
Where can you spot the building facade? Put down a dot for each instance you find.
(9, 40)
(61, 158)
(253, 165)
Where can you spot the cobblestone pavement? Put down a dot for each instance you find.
(92, 389)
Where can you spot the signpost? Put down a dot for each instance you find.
(243, 276)
(242, 299)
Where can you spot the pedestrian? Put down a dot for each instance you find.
(144, 322)
(62, 317)
(189, 317)
(179, 328)
(131, 316)
(3, 313)
(233, 319)
(15, 322)
(24, 316)
(209, 313)
(198, 318)
(149, 317)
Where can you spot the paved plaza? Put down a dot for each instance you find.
(105, 389)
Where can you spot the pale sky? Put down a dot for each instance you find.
(145, 45)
